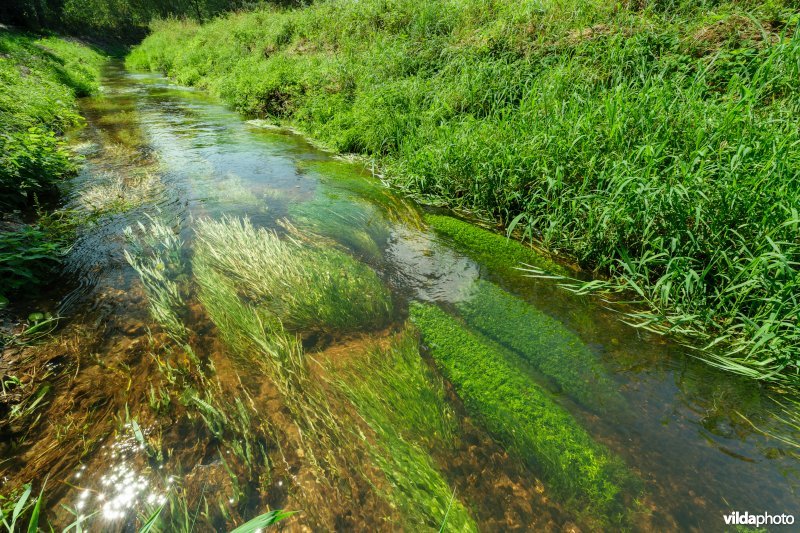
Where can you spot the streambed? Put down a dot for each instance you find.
(277, 330)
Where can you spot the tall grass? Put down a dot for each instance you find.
(656, 144)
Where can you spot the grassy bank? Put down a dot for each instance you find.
(40, 79)
(655, 142)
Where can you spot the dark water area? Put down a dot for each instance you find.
(703, 442)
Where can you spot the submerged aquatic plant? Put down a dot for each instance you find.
(117, 194)
(357, 225)
(524, 417)
(157, 255)
(491, 249)
(542, 341)
(258, 339)
(299, 285)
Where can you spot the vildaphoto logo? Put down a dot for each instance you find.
(764, 519)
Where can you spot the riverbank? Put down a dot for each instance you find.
(214, 352)
(653, 146)
(41, 79)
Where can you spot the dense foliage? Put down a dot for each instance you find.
(40, 80)
(124, 20)
(656, 143)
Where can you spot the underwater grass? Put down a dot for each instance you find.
(489, 248)
(523, 417)
(356, 225)
(656, 145)
(256, 339)
(299, 285)
(157, 256)
(543, 342)
(403, 402)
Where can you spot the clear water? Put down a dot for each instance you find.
(687, 430)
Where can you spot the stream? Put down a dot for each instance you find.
(136, 415)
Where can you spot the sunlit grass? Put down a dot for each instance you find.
(299, 285)
(656, 146)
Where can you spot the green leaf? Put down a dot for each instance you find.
(264, 520)
(147, 526)
(33, 524)
(20, 505)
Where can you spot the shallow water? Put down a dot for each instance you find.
(110, 446)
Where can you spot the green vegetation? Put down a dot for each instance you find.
(356, 225)
(111, 20)
(16, 508)
(488, 248)
(522, 416)
(400, 400)
(403, 403)
(40, 79)
(157, 256)
(543, 341)
(653, 142)
(297, 284)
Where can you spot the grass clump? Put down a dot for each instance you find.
(401, 400)
(543, 342)
(522, 416)
(654, 144)
(297, 284)
(157, 256)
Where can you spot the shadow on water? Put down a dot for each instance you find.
(134, 416)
